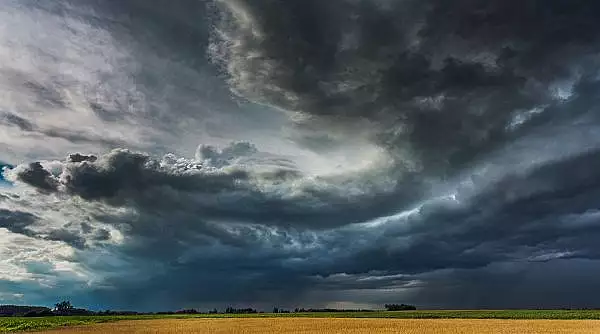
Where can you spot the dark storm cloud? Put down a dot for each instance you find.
(445, 80)
(16, 221)
(512, 220)
(22, 222)
(35, 175)
(542, 213)
(525, 216)
(68, 237)
(439, 82)
(439, 78)
(78, 157)
(217, 188)
(517, 217)
(556, 284)
(236, 278)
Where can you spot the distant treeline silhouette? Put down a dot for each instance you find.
(329, 310)
(399, 307)
(21, 311)
(65, 308)
(62, 308)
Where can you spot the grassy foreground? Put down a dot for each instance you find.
(15, 324)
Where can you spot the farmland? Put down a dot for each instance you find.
(337, 325)
(381, 319)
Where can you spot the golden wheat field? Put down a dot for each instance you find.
(346, 326)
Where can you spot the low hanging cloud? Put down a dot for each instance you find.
(223, 185)
(532, 217)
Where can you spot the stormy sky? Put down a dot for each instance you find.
(345, 153)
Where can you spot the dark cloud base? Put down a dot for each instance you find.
(518, 222)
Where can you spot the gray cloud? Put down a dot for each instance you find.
(554, 284)
(223, 185)
(18, 121)
(30, 128)
(523, 217)
(93, 76)
(35, 175)
(440, 80)
(26, 224)
(16, 222)
(487, 109)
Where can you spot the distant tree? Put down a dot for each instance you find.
(400, 307)
(63, 307)
(231, 310)
(275, 310)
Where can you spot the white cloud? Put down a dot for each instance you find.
(18, 252)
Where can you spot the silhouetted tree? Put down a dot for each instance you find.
(63, 307)
(400, 307)
(231, 310)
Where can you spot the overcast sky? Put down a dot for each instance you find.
(345, 153)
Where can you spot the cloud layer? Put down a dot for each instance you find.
(438, 153)
(439, 81)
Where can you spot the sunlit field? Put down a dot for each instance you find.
(336, 325)
(360, 322)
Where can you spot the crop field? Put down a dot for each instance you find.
(508, 321)
(337, 325)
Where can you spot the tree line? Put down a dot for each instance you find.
(62, 309)
(400, 307)
(65, 308)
